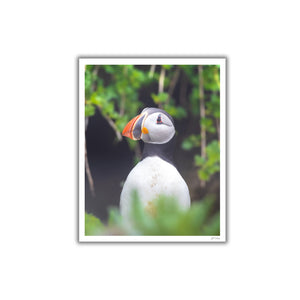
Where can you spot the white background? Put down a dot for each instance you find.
(40, 257)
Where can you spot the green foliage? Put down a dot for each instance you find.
(114, 91)
(89, 110)
(211, 76)
(167, 218)
(194, 101)
(191, 142)
(213, 106)
(160, 98)
(207, 123)
(210, 164)
(176, 112)
(191, 73)
(167, 67)
(114, 217)
(93, 225)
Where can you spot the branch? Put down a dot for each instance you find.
(152, 70)
(161, 82)
(122, 104)
(173, 84)
(218, 128)
(123, 95)
(87, 166)
(95, 73)
(89, 174)
(112, 125)
(183, 90)
(202, 116)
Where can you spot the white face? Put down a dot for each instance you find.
(160, 129)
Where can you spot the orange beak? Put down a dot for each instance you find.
(133, 129)
(128, 130)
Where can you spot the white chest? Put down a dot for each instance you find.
(153, 177)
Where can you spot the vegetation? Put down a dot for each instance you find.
(167, 218)
(114, 91)
(191, 94)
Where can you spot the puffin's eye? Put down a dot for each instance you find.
(159, 121)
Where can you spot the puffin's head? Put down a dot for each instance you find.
(153, 125)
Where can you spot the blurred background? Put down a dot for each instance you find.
(114, 94)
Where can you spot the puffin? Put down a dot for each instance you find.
(155, 175)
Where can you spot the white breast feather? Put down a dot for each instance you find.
(153, 177)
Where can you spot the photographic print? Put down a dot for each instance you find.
(152, 149)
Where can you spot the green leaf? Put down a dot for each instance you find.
(160, 98)
(203, 174)
(176, 112)
(121, 122)
(114, 217)
(97, 100)
(211, 77)
(167, 67)
(213, 151)
(194, 101)
(187, 144)
(93, 225)
(211, 164)
(109, 69)
(207, 123)
(199, 160)
(190, 142)
(89, 110)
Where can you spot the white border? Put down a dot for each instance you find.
(157, 61)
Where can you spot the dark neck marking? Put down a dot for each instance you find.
(163, 151)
